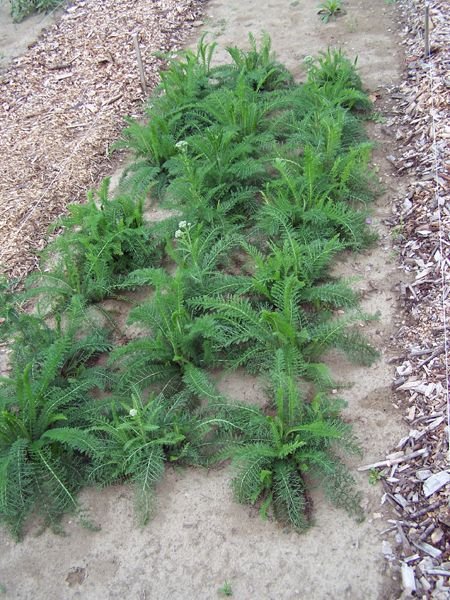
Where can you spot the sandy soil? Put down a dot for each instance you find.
(199, 538)
(16, 37)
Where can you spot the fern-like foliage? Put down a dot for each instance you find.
(240, 108)
(258, 66)
(177, 337)
(308, 199)
(269, 181)
(210, 195)
(139, 437)
(22, 8)
(24, 331)
(307, 262)
(249, 332)
(204, 256)
(218, 160)
(43, 445)
(338, 79)
(153, 144)
(272, 454)
(187, 79)
(30, 335)
(101, 244)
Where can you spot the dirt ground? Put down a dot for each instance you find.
(15, 37)
(199, 537)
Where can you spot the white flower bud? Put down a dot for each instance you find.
(181, 145)
(178, 234)
(133, 412)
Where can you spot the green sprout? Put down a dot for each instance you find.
(226, 590)
(374, 476)
(329, 9)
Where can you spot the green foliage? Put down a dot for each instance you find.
(215, 177)
(315, 202)
(249, 332)
(176, 337)
(336, 76)
(16, 324)
(103, 240)
(259, 67)
(153, 144)
(139, 437)
(269, 181)
(22, 8)
(202, 256)
(226, 589)
(187, 79)
(307, 262)
(30, 335)
(332, 67)
(271, 454)
(330, 9)
(374, 476)
(42, 441)
(376, 117)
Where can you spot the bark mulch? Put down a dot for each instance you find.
(62, 103)
(416, 475)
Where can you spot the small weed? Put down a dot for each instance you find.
(329, 9)
(2, 589)
(397, 232)
(393, 255)
(374, 476)
(226, 590)
(376, 117)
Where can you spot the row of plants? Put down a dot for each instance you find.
(268, 181)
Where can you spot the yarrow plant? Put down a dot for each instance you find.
(182, 145)
(270, 180)
(183, 229)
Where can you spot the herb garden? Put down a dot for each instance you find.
(267, 182)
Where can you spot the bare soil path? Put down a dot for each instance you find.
(16, 37)
(199, 538)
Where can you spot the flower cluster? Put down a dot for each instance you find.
(182, 227)
(133, 412)
(181, 146)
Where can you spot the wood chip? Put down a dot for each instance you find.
(408, 578)
(419, 120)
(435, 483)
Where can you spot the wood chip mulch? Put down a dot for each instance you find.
(416, 475)
(62, 103)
